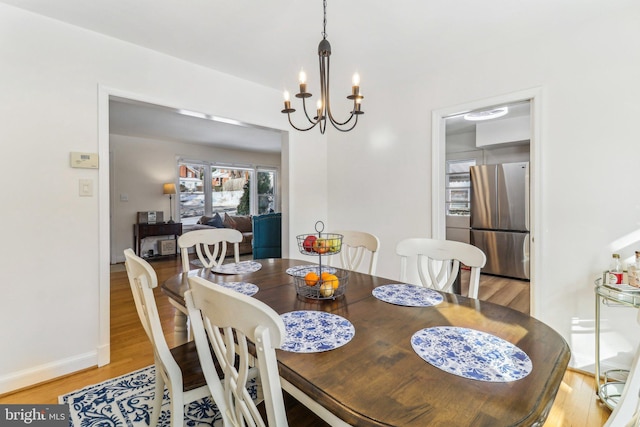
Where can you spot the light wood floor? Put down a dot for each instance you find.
(575, 405)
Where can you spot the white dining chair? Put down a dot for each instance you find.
(177, 368)
(227, 321)
(355, 245)
(442, 259)
(209, 245)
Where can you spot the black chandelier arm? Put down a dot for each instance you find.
(324, 87)
(323, 126)
(304, 107)
(314, 124)
(337, 123)
(346, 130)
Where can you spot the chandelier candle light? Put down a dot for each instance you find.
(323, 106)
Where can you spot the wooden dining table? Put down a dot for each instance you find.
(377, 379)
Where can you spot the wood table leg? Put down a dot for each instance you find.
(180, 324)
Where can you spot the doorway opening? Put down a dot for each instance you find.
(459, 143)
(105, 182)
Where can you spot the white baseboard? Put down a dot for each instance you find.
(48, 371)
(104, 355)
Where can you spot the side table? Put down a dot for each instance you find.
(142, 231)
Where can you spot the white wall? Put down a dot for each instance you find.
(54, 255)
(588, 72)
(140, 166)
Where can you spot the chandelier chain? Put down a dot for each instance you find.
(324, 21)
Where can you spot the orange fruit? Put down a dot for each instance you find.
(311, 278)
(331, 279)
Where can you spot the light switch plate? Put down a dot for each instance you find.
(86, 188)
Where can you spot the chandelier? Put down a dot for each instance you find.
(323, 106)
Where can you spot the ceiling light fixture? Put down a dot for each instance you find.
(487, 114)
(323, 106)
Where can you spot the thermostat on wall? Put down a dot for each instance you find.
(84, 160)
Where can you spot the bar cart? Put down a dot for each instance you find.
(610, 386)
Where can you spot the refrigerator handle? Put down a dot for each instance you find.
(526, 197)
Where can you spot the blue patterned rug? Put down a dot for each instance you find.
(126, 401)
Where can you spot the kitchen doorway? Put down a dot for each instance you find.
(442, 198)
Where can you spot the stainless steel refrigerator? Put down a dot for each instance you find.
(500, 217)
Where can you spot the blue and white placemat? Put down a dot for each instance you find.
(245, 288)
(407, 295)
(302, 270)
(471, 354)
(315, 331)
(242, 267)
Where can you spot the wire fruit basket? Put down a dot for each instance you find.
(324, 282)
(320, 243)
(324, 286)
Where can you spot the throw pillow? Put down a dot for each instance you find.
(229, 222)
(204, 219)
(243, 223)
(216, 221)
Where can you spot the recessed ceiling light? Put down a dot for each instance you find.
(487, 114)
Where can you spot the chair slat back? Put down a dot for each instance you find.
(355, 245)
(438, 262)
(209, 245)
(143, 280)
(227, 320)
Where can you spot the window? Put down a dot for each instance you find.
(266, 191)
(230, 191)
(191, 190)
(210, 188)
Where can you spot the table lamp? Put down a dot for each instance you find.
(170, 189)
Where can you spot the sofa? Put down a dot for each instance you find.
(242, 223)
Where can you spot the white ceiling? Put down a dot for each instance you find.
(168, 124)
(268, 42)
